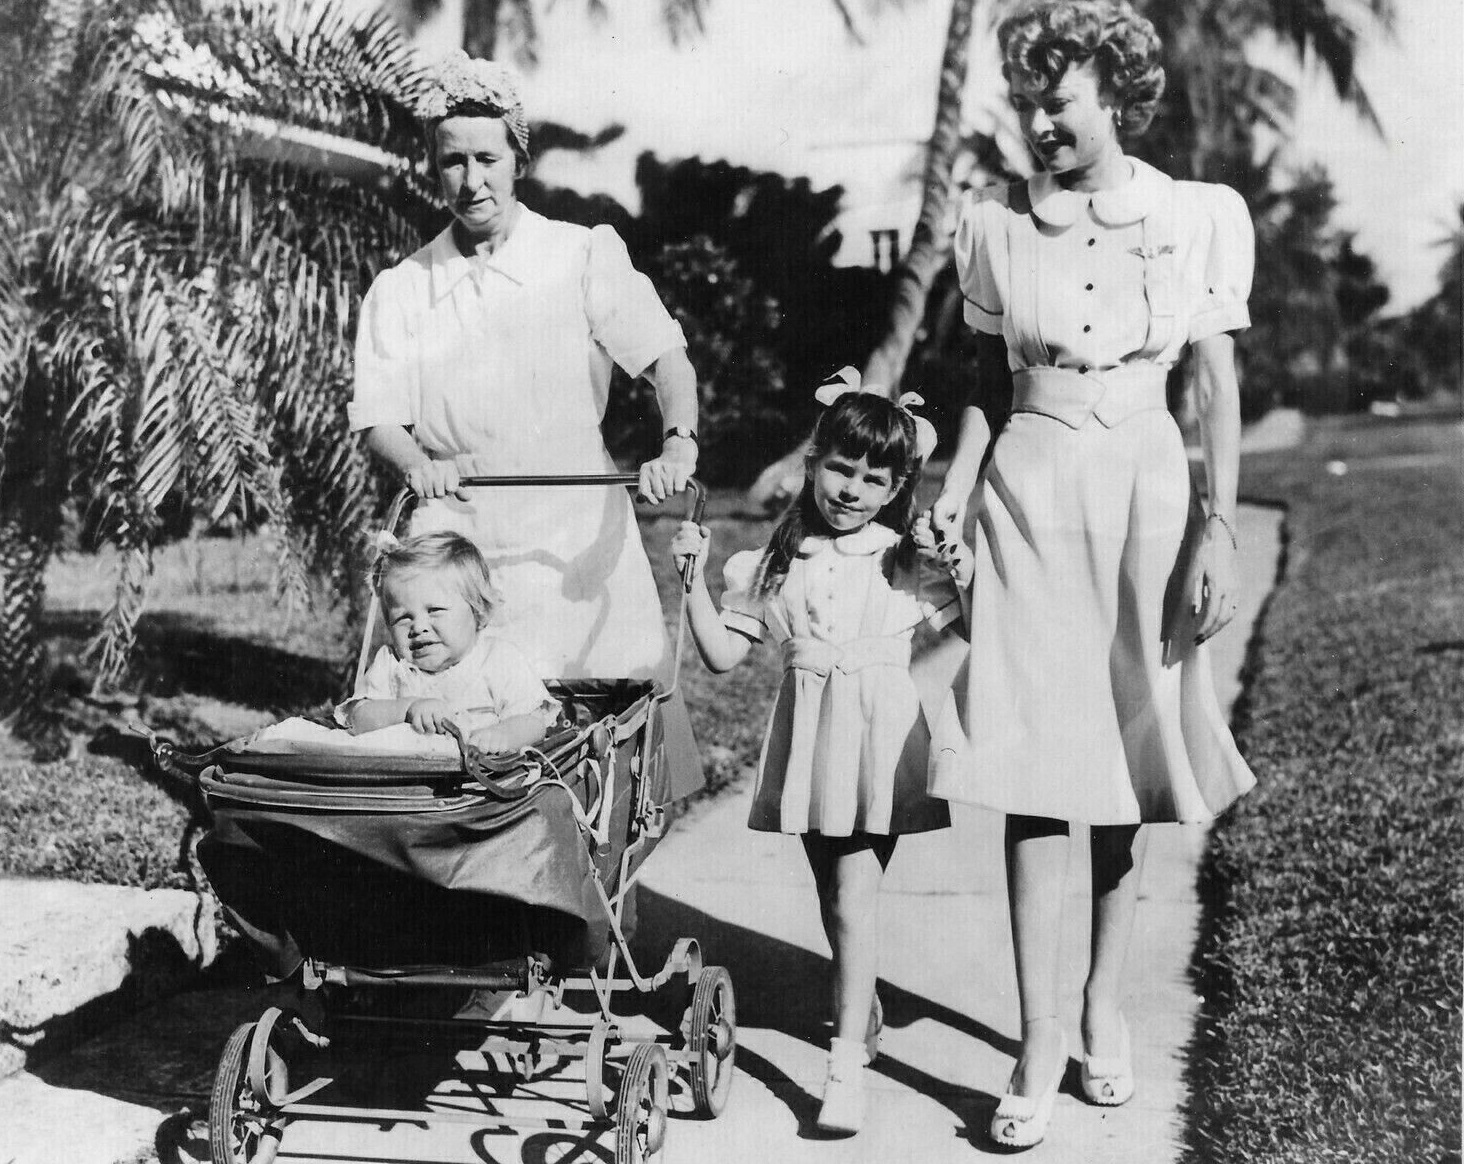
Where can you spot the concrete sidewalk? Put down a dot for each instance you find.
(946, 982)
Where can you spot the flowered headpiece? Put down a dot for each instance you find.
(461, 80)
(847, 380)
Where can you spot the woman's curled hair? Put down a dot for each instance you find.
(1040, 41)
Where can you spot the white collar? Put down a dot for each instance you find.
(871, 539)
(514, 258)
(1115, 206)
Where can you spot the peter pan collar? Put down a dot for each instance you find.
(1116, 206)
(514, 258)
(872, 539)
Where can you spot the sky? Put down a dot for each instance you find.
(780, 85)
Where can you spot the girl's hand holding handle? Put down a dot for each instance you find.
(1213, 583)
(690, 545)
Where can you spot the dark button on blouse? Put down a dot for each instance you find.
(1087, 327)
(1088, 287)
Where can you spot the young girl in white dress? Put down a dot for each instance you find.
(440, 664)
(838, 589)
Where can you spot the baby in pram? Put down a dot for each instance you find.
(442, 664)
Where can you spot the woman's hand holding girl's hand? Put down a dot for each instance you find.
(690, 545)
(1213, 584)
(428, 716)
(948, 514)
(433, 479)
(949, 554)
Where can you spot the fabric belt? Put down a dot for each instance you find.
(822, 658)
(1112, 395)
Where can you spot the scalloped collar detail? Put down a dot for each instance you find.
(871, 539)
(1116, 206)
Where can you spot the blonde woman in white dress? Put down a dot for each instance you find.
(489, 352)
(1089, 696)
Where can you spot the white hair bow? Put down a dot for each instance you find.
(385, 542)
(847, 379)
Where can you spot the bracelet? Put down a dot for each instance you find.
(1229, 529)
(680, 430)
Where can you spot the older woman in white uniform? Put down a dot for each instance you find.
(1089, 696)
(489, 352)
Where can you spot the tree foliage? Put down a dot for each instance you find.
(179, 289)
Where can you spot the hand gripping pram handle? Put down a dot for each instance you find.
(405, 500)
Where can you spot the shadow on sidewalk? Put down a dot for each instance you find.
(780, 986)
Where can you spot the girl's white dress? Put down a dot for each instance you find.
(494, 678)
(502, 363)
(1087, 699)
(847, 747)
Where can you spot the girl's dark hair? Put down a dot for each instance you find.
(857, 424)
(1041, 40)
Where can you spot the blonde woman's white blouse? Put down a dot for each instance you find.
(1089, 278)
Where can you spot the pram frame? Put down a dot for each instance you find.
(250, 1104)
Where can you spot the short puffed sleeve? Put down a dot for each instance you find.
(742, 608)
(378, 682)
(516, 686)
(386, 389)
(626, 315)
(1229, 266)
(974, 263)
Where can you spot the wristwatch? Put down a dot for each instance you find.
(680, 430)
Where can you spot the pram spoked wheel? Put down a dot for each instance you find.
(645, 1098)
(711, 1040)
(240, 1127)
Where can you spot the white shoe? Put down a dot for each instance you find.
(1021, 1120)
(842, 1112)
(1108, 1080)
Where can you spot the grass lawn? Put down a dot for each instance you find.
(1330, 964)
(218, 657)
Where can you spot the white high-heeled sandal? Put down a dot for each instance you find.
(1108, 1080)
(842, 1112)
(1021, 1120)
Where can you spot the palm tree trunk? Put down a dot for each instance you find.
(930, 245)
(929, 248)
(480, 28)
(23, 558)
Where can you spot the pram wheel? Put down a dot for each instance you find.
(711, 1040)
(240, 1130)
(645, 1097)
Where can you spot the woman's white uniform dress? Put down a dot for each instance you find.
(1086, 698)
(502, 363)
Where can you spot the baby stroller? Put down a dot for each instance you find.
(455, 871)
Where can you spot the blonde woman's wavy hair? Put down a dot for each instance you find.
(1040, 41)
